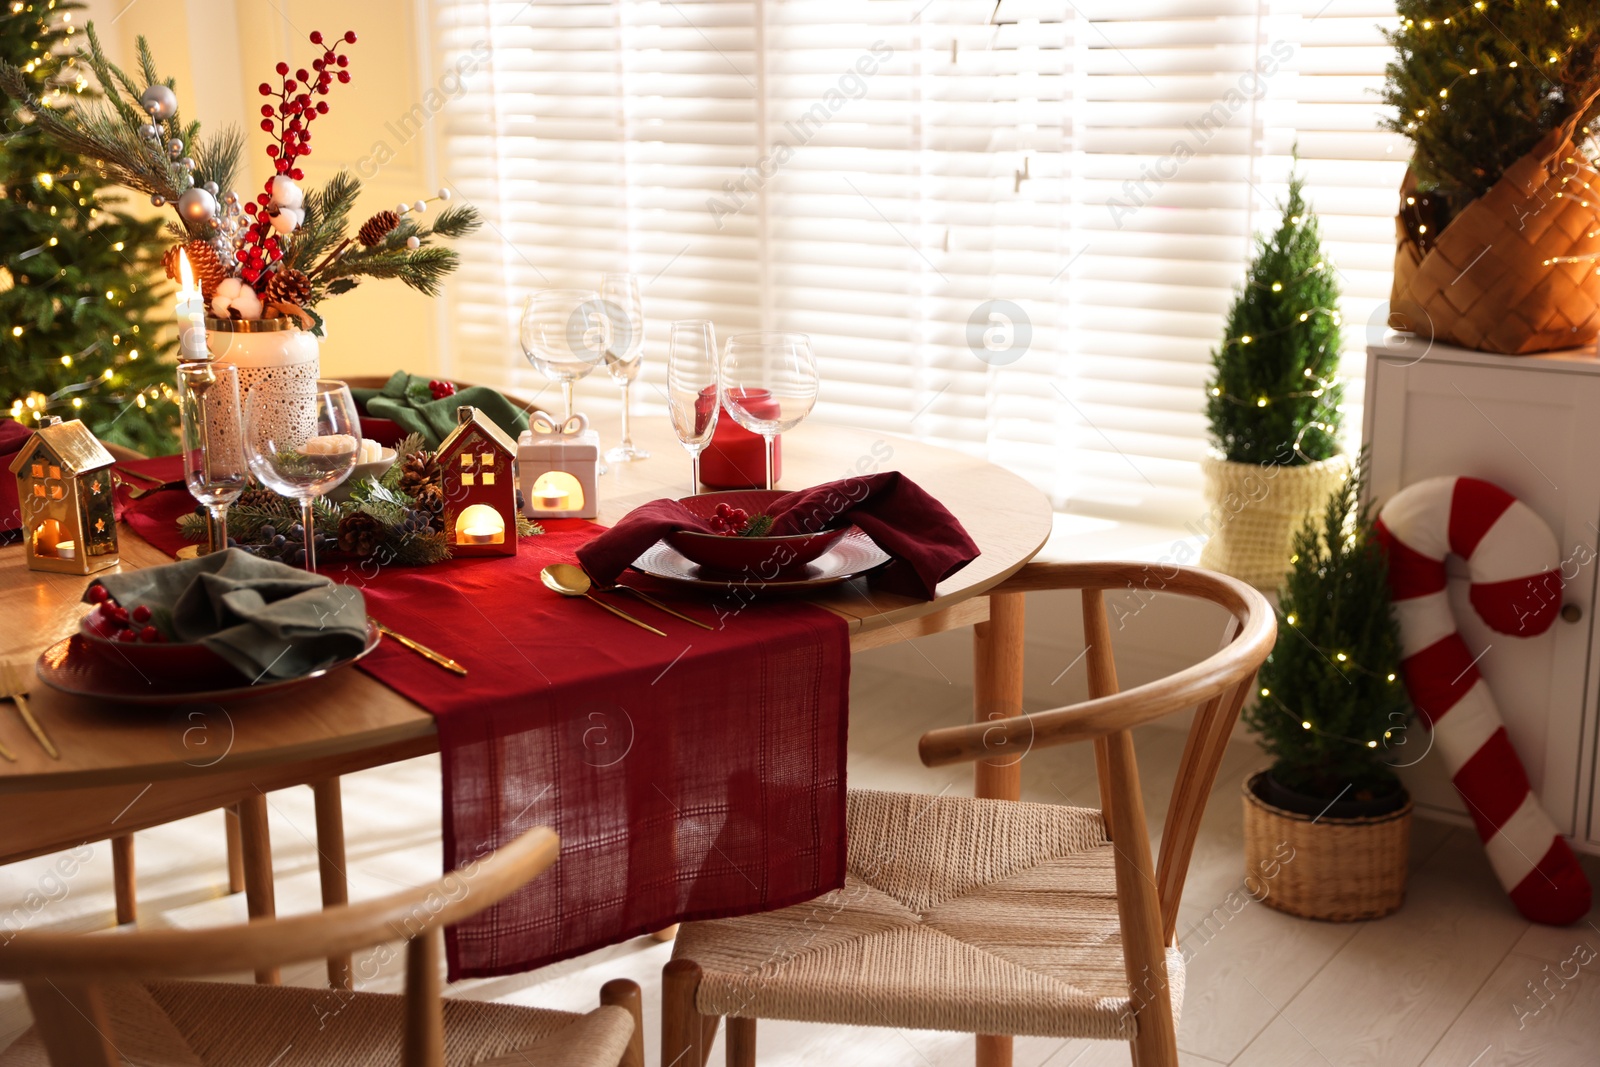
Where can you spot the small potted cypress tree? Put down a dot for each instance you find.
(1273, 402)
(1332, 714)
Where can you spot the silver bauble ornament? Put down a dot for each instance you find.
(158, 200)
(211, 187)
(174, 149)
(187, 163)
(149, 132)
(197, 205)
(159, 102)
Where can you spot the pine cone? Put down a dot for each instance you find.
(421, 469)
(430, 500)
(259, 498)
(288, 286)
(360, 533)
(377, 228)
(203, 260)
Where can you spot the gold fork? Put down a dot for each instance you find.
(15, 689)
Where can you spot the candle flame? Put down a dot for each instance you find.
(185, 274)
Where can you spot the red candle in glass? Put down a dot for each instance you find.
(737, 458)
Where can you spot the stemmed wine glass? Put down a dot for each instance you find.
(302, 445)
(624, 308)
(565, 333)
(768, 384)
(213, 455)
(692, 386)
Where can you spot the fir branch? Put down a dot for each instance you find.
(423, 269)
(216, 158)
(327, 212)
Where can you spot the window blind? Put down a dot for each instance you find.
(1011, 228)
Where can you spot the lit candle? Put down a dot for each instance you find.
(67, 549)
(551, 498)
(480, 535)
(191, 315)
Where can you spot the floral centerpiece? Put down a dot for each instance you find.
(275, 254)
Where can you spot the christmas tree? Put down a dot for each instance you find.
(1475, 86)
(1272, 397)
(1333, 709)
(82, 323)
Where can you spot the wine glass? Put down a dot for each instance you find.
(768, 384)
(565, 333)
(213, 455)
(619, 294)
(301, 445)
(692, 386)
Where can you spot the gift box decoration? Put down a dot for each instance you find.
(478, 475)
(560, 466)
(64, 495)
(737, 458)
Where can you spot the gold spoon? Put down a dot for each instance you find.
(569, 579)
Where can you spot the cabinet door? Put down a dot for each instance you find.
(1535, 433)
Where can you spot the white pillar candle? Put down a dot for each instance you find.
(191, 315)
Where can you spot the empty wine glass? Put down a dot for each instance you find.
(213, 454)
(692, 386)
(619, 293)
(302, 444)
(768, 384)
(564, 335)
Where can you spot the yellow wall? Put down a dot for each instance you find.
(219, 51)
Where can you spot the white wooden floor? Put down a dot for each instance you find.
(1447, 982)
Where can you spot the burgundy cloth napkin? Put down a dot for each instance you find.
(926, 542)
(13, 435)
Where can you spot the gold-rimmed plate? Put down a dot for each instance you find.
(851, 556)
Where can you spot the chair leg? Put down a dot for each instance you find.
(682, 1026)
(122, 879)
(666, 933)
(230, 824)
(622, 993)
(330, 862)
(997, 690)
(256, 845)
(993, 1051)
(741, 1042)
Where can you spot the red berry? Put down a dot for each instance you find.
(150, 635)
(125, 635)
(301, 74)
(316, 36)
(266, 90)
(140, 614)
(350, 36)
(282, 68)
(290, 85)
(266, 124)
(98, 594)
(322, 107)
(297, 174)
(343, 61)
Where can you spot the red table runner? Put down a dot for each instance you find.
(694, 776)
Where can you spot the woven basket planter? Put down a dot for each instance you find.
(1340, 870)
(1489, 283)
(1257, 509)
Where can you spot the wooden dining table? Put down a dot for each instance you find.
(124, 767)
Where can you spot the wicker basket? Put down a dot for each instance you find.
(1341, 870)
(1488, 282)
(1256, 510)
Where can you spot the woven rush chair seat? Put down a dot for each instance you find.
(981, 916)
(219, 1024)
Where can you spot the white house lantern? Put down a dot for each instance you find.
(558, 465)
(64, 493)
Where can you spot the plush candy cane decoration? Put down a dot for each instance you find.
(1514, 563)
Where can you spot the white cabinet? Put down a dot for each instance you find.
(1530, 424)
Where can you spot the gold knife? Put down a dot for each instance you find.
(18, 696)
(422, 650)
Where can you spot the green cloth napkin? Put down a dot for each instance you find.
(267, 619)
(405, 399)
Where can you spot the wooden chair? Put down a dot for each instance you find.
(996, 917)
(102, 999)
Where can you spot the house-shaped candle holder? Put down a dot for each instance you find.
(559, 465)
(64, 493)
(480, 487)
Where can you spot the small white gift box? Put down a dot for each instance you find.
(558, 465)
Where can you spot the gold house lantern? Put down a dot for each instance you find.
(64, 493)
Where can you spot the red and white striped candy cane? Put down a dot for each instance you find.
(1514, 564)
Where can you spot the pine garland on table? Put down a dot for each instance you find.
(380, 520)
(1274, 397)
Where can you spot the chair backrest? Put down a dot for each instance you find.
(63, 973)
(1217, 686)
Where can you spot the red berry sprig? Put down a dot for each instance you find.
(441, 389)
(289, 121)
(729, 521)
(120, 623)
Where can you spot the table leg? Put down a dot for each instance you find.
(230, 824)
(256, 844)
(666, 933)
(997, 684)
(330, 860)
(122, 879)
